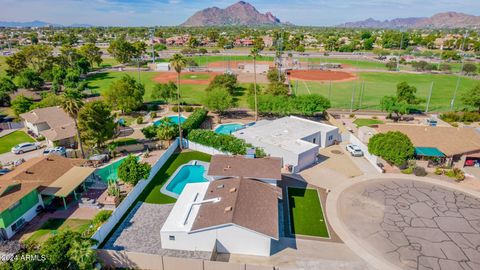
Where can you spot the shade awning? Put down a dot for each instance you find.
(428, 152)
(68, 182)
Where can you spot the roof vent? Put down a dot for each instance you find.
(220, 186)
(233, 190)
(228, 209)
(28, 172)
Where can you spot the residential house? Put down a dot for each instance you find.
(47, 180)
(53, 123)
(296, 140)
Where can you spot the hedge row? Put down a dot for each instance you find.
(194, 120)
(222, 142)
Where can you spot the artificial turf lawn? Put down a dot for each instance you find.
(53, 225)
(12, 139)
(306, 215)
(366, 122)
(151, 193)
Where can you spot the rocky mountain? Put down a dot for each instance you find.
(440, 20)
(241, 13)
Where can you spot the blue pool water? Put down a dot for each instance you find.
(228, 128)
(186, 175)
(175, 119)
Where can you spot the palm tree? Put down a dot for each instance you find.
(71, 103)
(178, 62)
(83, 254)
(255, 52)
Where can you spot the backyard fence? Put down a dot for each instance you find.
(11, 125)
(204, 149)
(133, 260)
(354, 140)
(102, 233)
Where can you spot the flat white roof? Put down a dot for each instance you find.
(184, 212)
(286, 133)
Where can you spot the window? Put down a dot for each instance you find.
(171, 237)
(314, 140)
(330, 137)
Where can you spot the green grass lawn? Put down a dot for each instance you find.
(366, 122)
(152, 193)
(306, 215)
(360, 64)
(12, 139)
(379, 84)
(54, 225)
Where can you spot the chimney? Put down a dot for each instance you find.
(228, 209)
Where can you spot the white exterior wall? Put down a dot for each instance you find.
(29, 215)
(306, 159)
(228, 239)
(36, 128)
(330, 137)
(314, 138)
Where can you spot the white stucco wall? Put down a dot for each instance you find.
(36, 128)
(227, 239)
(306, 159)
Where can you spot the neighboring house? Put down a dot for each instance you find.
(53, 123)
(263, 169)
(47, 180)
(456, 143)
(231, 215)
(296, 140)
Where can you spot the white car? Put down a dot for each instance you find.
(354, 150)
(60, 151)
(25, 147)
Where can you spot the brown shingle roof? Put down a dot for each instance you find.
(35, 173)
(450, 140)
(239, 166)
(250, 204)
(53, 116)
(60, 132)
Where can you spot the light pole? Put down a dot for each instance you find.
(400, 52)
(452, 104)
(152, 31)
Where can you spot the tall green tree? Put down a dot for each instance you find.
(92, 53)
(21, 104)
(7, 87)
(95, 123)
(226, 81)
(472, 97)
(164, 91)
(178, 62)
(393, 146)
(219, 100)
(125, 94)
(82, 254)
(167, 130)
(123, 51)
(71, 103)
(30, 79)
(404, 100)
(131, 170)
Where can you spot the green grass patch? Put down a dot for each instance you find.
(54, 225)
(124, 142)
(306, 215)
(360, 64)
(195, 76)
(152, 193)
(12, 139)
(366, 122)
(378, 85)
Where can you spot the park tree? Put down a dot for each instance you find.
(39, 58)
(95, 123)
(71, 102)
(193, 42)
(92, 53)
(226, 81)
(30, 79)
(472, 97)
(391, 65)
(445, 67)
(469, 68)
(164, 91)
(21, 104)
(7, 87)
(219, 100)
(72, 78)
(131, 170)
(58, 74)
(450, 55)
(393, 146)
(125, 94)
(122, 50)
(310, 104)
(48, 100)
(406, 92)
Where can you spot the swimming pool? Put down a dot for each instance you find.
(193, 172)
(228, 128)
(175, 119)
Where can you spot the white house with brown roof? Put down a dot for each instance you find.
(53, 123)
(232, 215)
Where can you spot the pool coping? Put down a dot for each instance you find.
(206, 165)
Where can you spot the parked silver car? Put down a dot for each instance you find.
(25, 147)
(354, 150)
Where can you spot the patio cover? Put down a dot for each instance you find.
(68, 182)
(428, 152)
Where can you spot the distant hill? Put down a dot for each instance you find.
(38, 24)
(440, 20)
(241, 13)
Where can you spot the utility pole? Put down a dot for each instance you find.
(400, 52)
(152, 32)
(459, 72)
(362, 90)
(429, 97)
(353, 98)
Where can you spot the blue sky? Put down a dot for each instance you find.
(173, 12)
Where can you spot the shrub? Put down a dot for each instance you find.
(419, 171)
(153, 115)
(394, 147)
(438, 171)
(454, 124)
(139, 120)
(188, 108)
(351, 115)
(149, 132)
(194, 120)
(222, 142)
(408, 170)
(176, 109)
(101, 217)
(456, 173)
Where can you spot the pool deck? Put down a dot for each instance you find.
(206, 165)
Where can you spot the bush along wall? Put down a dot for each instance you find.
(222, 142)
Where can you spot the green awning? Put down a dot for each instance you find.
(428, 152)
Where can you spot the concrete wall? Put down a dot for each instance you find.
(227, 239)
(370, 157)
(108, 226)
(204, 149)
(306, 159)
